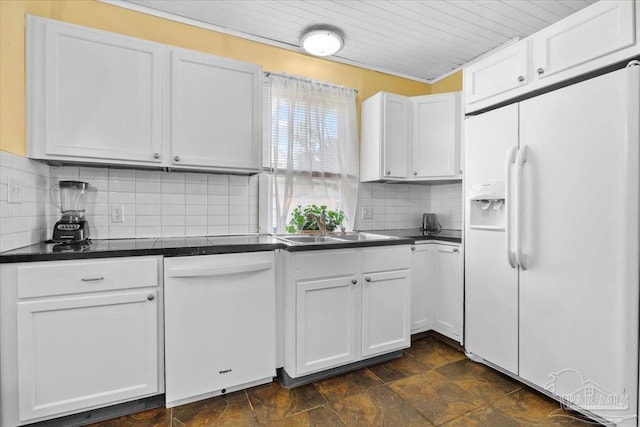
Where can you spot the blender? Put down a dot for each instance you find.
(72, 226)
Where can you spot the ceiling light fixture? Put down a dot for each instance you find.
(322, 42)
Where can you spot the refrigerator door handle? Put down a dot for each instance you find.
(521, 158)
(511, 157)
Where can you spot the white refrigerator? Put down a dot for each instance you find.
(552, 248)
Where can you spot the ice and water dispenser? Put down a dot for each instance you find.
(487, 205)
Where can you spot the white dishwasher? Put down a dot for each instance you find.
(219, 324)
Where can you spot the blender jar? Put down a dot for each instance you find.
(72, 199)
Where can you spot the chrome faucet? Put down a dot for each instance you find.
(321, 220)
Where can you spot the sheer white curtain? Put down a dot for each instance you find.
(313, 147)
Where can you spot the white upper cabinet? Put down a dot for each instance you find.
(395, 128)
(498, 75)
(410, 138)
(92, 95)
(384, 147)
(602, 30)
(99, 97)
(215, 112)
(599, 35)
(436, 132)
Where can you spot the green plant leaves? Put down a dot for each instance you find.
(306, 218)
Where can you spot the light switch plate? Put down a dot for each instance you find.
(14, 190)
(366, 213)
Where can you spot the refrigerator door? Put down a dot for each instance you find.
(579, 293)
(491, 284)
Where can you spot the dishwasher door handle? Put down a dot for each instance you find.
(218, 271)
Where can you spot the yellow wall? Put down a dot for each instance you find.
(91, 13)
(452, 83)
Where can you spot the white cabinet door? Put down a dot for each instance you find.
(219, 323)
(497, 75)
(93, 95)
(410, 137)
(436, 136)
(421, 299)
(325, 323)
(599, 30)
(84, 351)
(447, 274)
(396, 135)
(385, 312)
(215, 112)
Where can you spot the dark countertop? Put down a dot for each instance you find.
(416, 234)
(180, 246)
(175, 246)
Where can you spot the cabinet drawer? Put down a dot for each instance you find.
(70, 277)
(330, 263)
(386, 258)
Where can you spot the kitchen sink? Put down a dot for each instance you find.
(313, 239)
(308, 239)
(362, 237)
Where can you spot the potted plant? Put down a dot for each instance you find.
(304, 219)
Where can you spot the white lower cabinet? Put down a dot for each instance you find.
(421, 300)
(447, 290)
(78, 344)
(219, 324)
(339, 310)
(326, 321)
(385, 312)
(437, 289)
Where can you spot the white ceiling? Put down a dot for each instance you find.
(422, 40)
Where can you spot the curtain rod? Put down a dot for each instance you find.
(305, 79)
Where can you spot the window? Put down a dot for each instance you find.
(312, 151)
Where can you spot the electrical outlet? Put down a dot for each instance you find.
(14, 190)
(366, 213)
(117, 214)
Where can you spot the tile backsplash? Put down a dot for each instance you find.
(155, 203)
(176, 204)
(402, 205)
(446, 202)
(23, 223)
(164, 204)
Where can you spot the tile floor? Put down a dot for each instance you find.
(433, 384)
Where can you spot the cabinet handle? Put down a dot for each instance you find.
(388, 173)
(415, 173)
(354, 281)
(540, 71)
(176, 158)
(460, 172)
(156, 155)
(413, 248)
(368, 279)
(92, 279)
(455, 249)
(151, 297)
(520, 79)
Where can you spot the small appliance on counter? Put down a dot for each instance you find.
(430, 223)
(72, 228)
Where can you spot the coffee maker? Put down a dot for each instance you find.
(72, 227)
